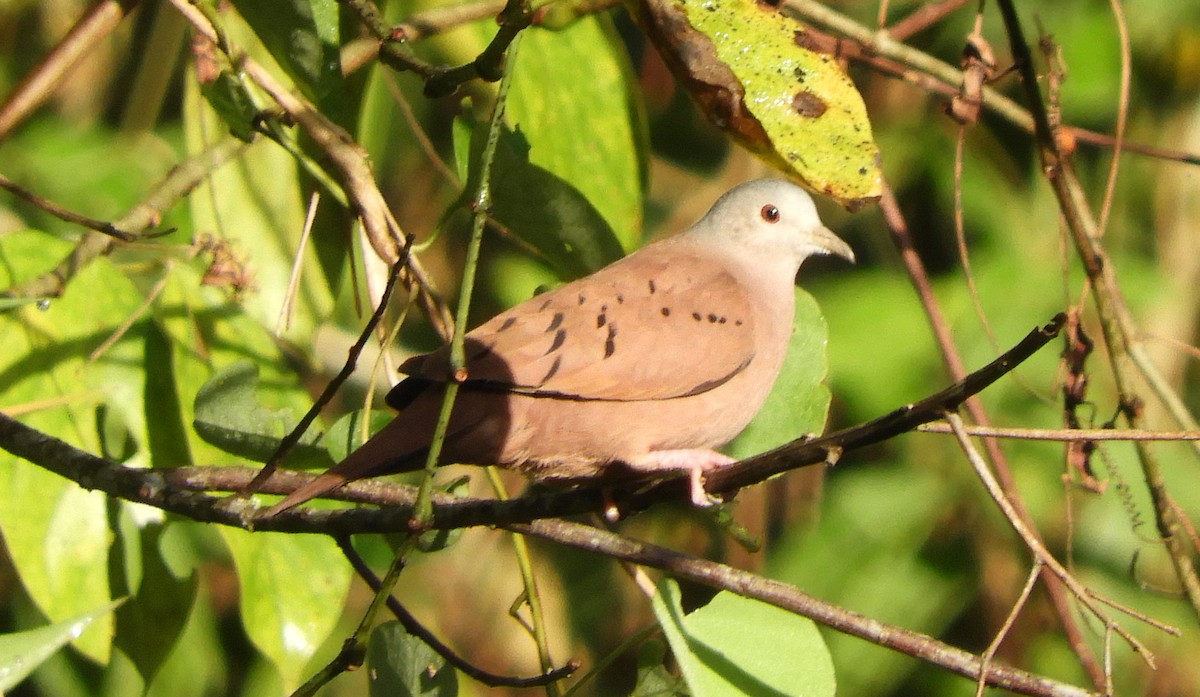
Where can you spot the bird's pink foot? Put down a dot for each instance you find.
(695, 462)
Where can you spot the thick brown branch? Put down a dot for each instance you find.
(790, 598)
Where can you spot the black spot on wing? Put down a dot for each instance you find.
(666, 312)
(601, 319)
(653, 288)
(610, 344)
(507, 324)
(559, 337)
(556, 322)
(553, 369)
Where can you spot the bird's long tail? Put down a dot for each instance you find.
(390, 450)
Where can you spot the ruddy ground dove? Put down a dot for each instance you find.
(640, 369)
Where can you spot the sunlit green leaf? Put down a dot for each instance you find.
(22, 652)
(59, 539)
(302, 36)
(739, 646)
(292, 590)
(229, 415)
(799, 401)
(573, 101)
(150, 623)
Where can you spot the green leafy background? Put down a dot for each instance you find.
(601, 152)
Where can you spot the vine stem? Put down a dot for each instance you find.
(481, 206)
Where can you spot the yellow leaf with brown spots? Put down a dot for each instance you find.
(755, 77)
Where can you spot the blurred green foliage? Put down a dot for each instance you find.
(903, 532)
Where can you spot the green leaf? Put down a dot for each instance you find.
(751, 71)
(59, 539)
(345, 435)
(148, 626)
(572, 97)
(22, 652)
(653, 680)
(228, 97)
(292, 591)
(878, 567)
(799, 401)
(302, 36)
(401, 665)
(229, 416)
(538, 206)
(736, 645)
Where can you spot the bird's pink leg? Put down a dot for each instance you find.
(695, 462)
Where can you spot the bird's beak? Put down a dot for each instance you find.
(824, 239)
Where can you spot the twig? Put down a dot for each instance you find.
(354, 649)
(1030, 582)
(351, 163)
(1110, 185)
(69, 216)
(414, 627)
(779, 594)
(760, 467)
(1066, 435)
(481, 208)
(293, 437)
(288, 307)
(531, 595)
(141, 309)
(954, 364)
(39, 85)
(435, 20)
(884, 52)
(923, 17)
(392, 50)
(1083, 594)
(172, 188)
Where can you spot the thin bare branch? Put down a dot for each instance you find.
(170, 190)
(1065, 435)
(39, 85)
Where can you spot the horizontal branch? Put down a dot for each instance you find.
(187, 491)
(1066, 435)
(788, 597)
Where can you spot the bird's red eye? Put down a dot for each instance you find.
(770, 213)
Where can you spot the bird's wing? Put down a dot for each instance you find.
(666, 322)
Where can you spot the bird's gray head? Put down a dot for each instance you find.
(773, 218)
